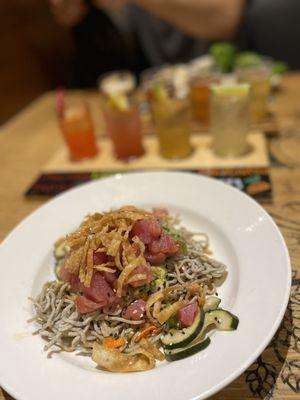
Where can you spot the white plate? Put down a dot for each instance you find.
(242, 235)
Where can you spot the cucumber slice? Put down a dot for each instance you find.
(211, 303)
(222, 319)
(179, 354)
(177, 338)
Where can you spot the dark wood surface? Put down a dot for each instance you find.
(35, 53)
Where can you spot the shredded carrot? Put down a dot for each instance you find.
(112, 343)
(147, 331)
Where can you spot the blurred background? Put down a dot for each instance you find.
(32, 61)
(45, 45)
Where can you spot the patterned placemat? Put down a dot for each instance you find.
(254, 182)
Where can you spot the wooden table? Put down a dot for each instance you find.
(30, 139)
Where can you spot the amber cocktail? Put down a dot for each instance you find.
(169, 101)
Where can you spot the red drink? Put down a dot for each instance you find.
(78, 131)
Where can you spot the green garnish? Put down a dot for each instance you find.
(280, 67)
(160, 272)
(99, 175)
(141, 291)
(156, 284)
(224, 54)
(176, 236)
(172, 322)
(227, 57)
(184, 248)
(172, 232)
(248, 59)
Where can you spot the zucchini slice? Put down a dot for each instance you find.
(193, 348)
(177, 338)
(222, 319)
(211, 303)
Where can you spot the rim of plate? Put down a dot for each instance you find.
(181, 174)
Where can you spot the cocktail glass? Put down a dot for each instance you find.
(200, 94)
(76, 124)
(259, 78)
(230, 119)
(168, 96)
(121, 113)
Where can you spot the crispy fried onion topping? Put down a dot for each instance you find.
(152, 349)
(109, 233)
(153, 305)
(115, 361)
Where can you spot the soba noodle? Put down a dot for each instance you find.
(65, 329)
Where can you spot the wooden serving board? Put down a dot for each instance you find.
(202, 157)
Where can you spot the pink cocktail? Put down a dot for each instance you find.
(124, 129)
(121, 114)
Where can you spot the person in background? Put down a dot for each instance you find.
(101, 42)
(124, 34)
(268, 27)
(137, 34)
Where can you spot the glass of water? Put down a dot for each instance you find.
(229, 107)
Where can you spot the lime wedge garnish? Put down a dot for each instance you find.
(231, 90)
(118, 101)
(248, 59)
(159, 92)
